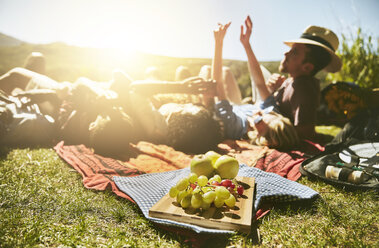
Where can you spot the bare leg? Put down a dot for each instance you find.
(182, 73)
(254, 90)
(153, 73)
(120, 83)
(233, 92)
(26, 80)
(36, 62)
(205, 72)
(15, 78)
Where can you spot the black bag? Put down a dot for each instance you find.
(351, 159)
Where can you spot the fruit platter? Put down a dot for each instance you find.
(211, 196)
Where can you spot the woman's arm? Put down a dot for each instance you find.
(193, 85)
(254, 66)
(219, 35)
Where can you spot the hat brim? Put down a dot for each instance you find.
(335, 63)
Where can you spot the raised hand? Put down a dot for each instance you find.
(200, 86)
(220, 32)
(275, 81)
(245, 36)
(254, 66)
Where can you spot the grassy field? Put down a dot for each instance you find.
(43, 204)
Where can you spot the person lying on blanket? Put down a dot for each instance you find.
(86, 112)
(189, 127)
(35, 109)
(296, 99)
(103, 116)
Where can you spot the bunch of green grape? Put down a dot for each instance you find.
(200, 192)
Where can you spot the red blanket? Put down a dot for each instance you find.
(98, 171)
(285, 164)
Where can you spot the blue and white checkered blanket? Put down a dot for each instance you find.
(148, 189)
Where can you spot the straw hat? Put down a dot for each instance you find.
(324, 38)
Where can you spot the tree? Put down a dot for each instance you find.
(360, 61)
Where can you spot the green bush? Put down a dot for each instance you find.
(359, 61)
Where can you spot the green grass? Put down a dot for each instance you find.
(43, 204)
(338, 219)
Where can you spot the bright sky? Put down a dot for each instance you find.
(181, 28)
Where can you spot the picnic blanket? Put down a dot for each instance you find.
(99, 172)
(148, 189)
(285, 164)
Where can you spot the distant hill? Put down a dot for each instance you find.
(6, 40)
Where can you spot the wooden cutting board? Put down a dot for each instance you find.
(224, 218)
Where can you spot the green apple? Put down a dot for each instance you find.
(202, 165)
(212, 155)
(226, 166)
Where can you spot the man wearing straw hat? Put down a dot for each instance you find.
(297, 97)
